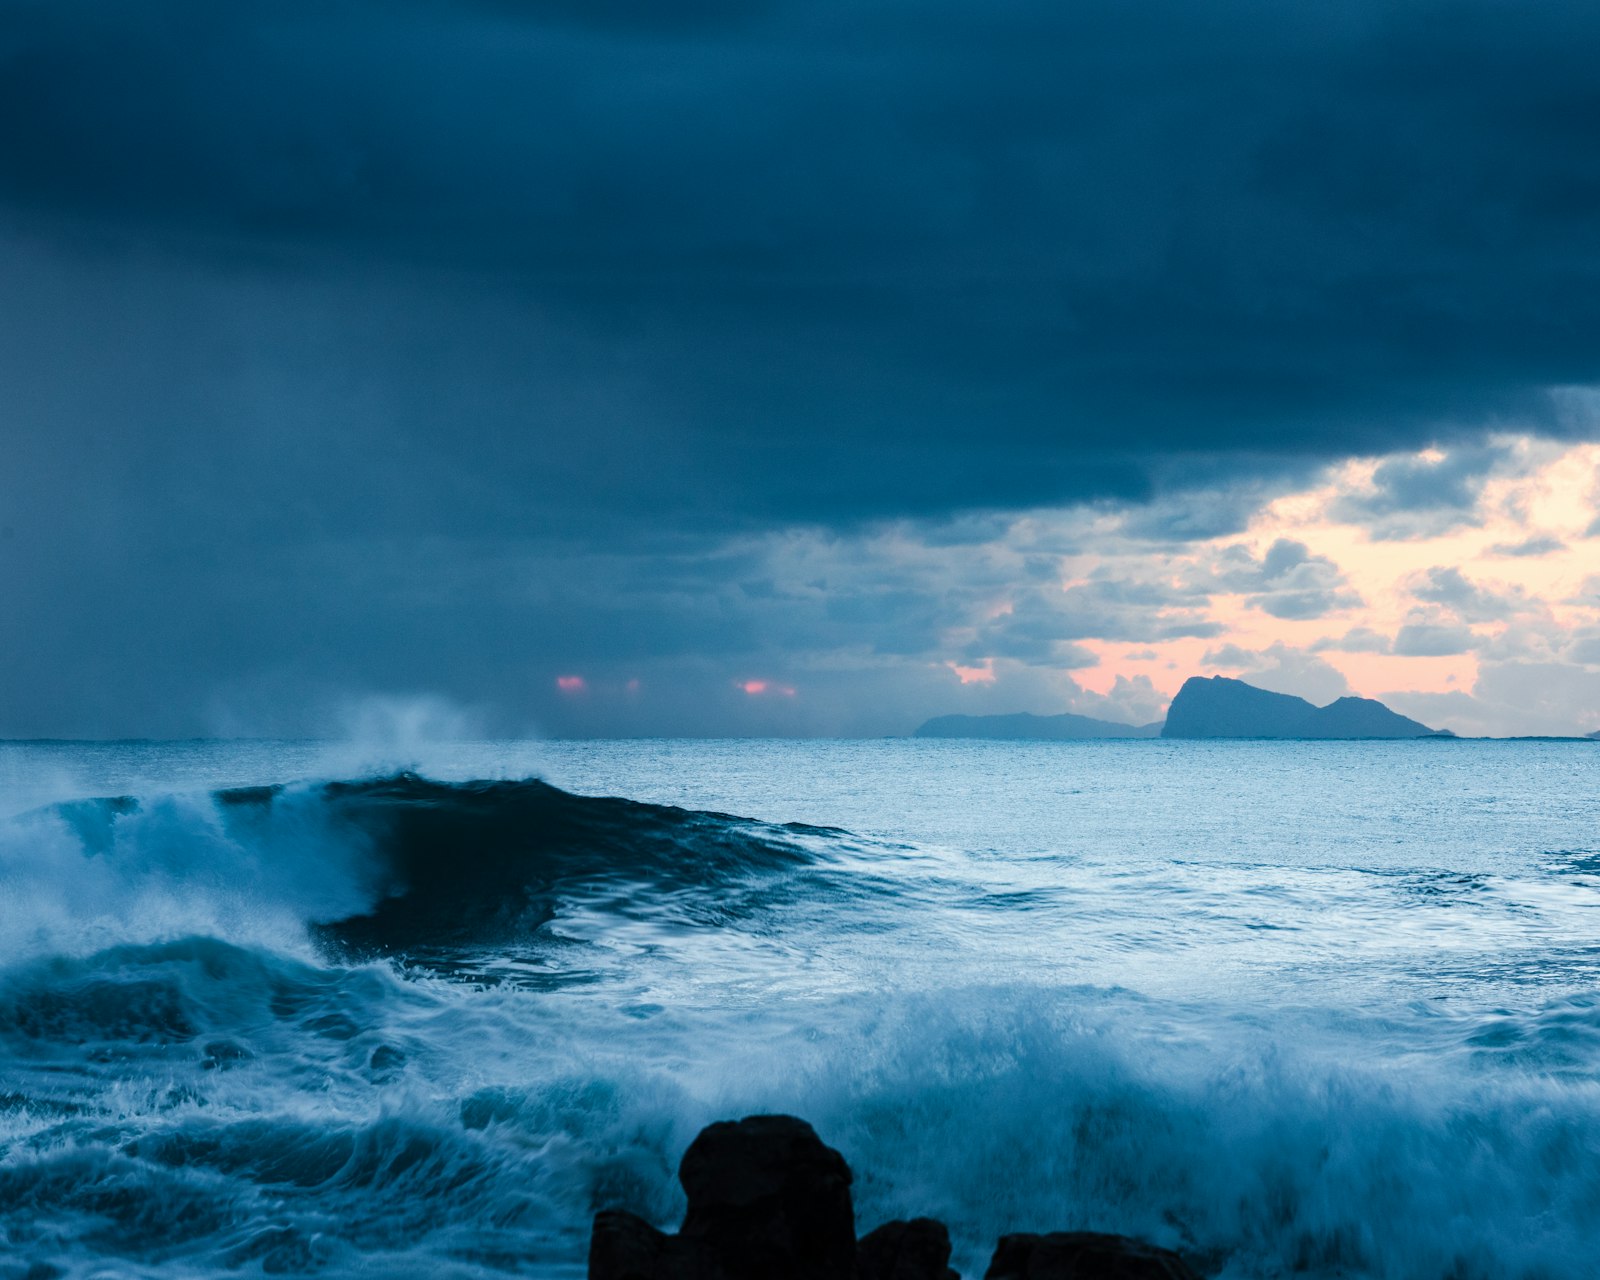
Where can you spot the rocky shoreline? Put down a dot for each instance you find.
(769, 1200)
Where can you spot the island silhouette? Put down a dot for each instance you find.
(1224, 708)
(1218, 707)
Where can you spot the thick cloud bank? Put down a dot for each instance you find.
(316, 308)
(856, 258)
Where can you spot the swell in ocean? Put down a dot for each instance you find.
(380, 866)
(427, 1028)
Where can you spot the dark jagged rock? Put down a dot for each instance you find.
(768, 1200)
(915, 1250)
(625, 1247)
(1083, 1255)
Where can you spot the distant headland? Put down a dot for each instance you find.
(1026, 726)
(1224, 708)
(1204, 708)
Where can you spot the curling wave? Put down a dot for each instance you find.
(375, 866)
(402, 1027)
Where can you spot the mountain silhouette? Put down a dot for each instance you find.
(1224, 708)
(1024, 725)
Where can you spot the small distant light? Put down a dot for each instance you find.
(634, 685)
(757, 687)
(571, 684)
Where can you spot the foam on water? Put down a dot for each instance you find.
(229, 1044)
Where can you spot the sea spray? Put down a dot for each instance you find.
(207, 1069)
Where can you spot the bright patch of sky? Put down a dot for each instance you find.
(1461, 587)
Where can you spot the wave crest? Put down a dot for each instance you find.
(374, 866)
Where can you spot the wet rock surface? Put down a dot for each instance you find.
(626, 1247)
(769, 1200)
(1083, 1255)
(915, 1250)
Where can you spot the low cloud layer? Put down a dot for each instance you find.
(868, 631)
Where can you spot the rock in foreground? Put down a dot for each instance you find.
(623, 1246)
(769, 1200)
(915, 1250)
(1083, 1255)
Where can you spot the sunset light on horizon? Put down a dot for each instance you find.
(1506, 569)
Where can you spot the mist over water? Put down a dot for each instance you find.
(1329, 1009)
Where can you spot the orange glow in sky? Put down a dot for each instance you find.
(755, 688)
(1407, 596)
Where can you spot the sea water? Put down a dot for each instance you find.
(1313, 1009)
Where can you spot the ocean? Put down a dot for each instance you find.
(1314, 1009)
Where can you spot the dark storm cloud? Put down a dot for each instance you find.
(440, 345)
(1450, 588)
(1425, 484)
(881, 257)
(1200, 512)
(1287, 582)
(1423, 496)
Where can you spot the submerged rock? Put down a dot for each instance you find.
(1083, 1255)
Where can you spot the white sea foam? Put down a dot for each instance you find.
(1383, 1065)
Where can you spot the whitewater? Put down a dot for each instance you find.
(1311, 1009)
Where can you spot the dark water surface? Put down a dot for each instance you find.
(1321, 1009)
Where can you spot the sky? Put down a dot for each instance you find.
(725, 367)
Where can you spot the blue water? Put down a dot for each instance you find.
(1320, 1009)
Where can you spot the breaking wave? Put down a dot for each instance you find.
(377, 866)
(403, 1027)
